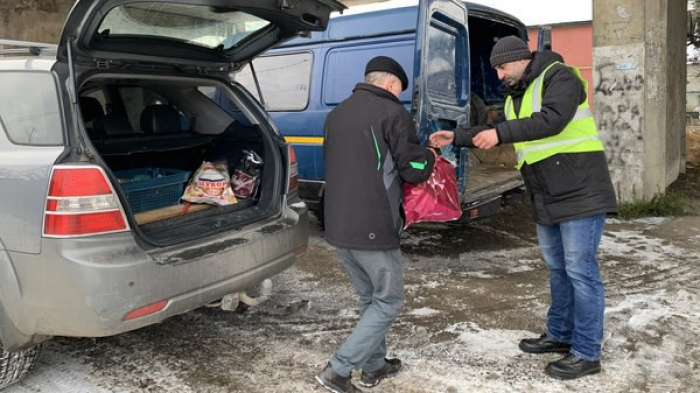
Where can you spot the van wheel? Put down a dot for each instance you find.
(15, 365)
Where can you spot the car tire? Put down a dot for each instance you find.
(14, 366)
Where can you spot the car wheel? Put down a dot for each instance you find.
(15, 365)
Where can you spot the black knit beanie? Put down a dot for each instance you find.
(509, 49)
(387, 64)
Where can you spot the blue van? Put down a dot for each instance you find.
(444, 44)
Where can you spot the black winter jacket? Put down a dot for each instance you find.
(565, 186)
(370, 148)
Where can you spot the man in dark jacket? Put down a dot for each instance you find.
(371, 148)
(561, 158)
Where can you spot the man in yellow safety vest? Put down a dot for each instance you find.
(548, 120)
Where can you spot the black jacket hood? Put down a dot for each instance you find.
(540, 61)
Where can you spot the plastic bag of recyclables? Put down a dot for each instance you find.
(210, 184)
(435, 200)
(246, 178)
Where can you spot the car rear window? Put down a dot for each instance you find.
(205, 26)
(29, 108)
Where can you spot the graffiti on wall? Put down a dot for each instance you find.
(619, 116)
(619, 111)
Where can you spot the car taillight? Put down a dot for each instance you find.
(146, 310)
(293, 171)
(81, 202)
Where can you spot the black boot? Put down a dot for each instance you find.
(335, 382)
(543, 344)
(391, 368)
(571, 367)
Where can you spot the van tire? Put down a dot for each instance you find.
(14, 366)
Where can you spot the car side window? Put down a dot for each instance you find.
(29, 108)
(284, 80)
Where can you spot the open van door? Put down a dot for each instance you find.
(440, 99)
(544, 38)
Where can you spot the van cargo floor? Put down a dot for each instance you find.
(487, 181)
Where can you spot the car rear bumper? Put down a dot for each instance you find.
(85, 287)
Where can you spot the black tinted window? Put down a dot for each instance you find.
(284, 80)
(29, 108)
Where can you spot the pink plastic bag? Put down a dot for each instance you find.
(435, 200)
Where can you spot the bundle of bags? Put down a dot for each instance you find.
(213, 184)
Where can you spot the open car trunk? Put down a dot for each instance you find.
(153, 134)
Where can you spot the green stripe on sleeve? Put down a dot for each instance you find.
(419, 165)
(376, 146)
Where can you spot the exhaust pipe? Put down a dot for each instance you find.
(230, 302)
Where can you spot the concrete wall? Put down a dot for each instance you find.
(42, 20)
(692, 108)
(639, 77)
(33, 20)
(676, 72)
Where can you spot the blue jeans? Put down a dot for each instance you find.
(578, 300)
(378, 280)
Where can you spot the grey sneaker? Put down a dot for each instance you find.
(335, 382)
(390, 369)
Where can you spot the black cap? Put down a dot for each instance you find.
(387, 64)
(509, 49)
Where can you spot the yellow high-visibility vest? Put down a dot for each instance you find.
(579, 136)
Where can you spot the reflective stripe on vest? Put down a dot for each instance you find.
(579, 135)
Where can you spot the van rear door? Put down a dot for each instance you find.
(440, 98)
(544, 38)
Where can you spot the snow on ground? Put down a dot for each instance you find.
(472, 294)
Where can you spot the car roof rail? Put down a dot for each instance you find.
(26, 47)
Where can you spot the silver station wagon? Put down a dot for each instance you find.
(101, 134)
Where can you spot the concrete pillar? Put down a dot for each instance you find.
(639, 77)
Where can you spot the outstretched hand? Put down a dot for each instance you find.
(441, 138)
(486, 139)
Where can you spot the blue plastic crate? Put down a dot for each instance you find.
(152, 188)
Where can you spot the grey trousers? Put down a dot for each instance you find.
(378, 280)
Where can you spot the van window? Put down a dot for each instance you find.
(441, 74)
(284, 80)
(346, 66)
(29, 108)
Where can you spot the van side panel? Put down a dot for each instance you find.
(337, 68)
(304, 129)
(339, 58)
